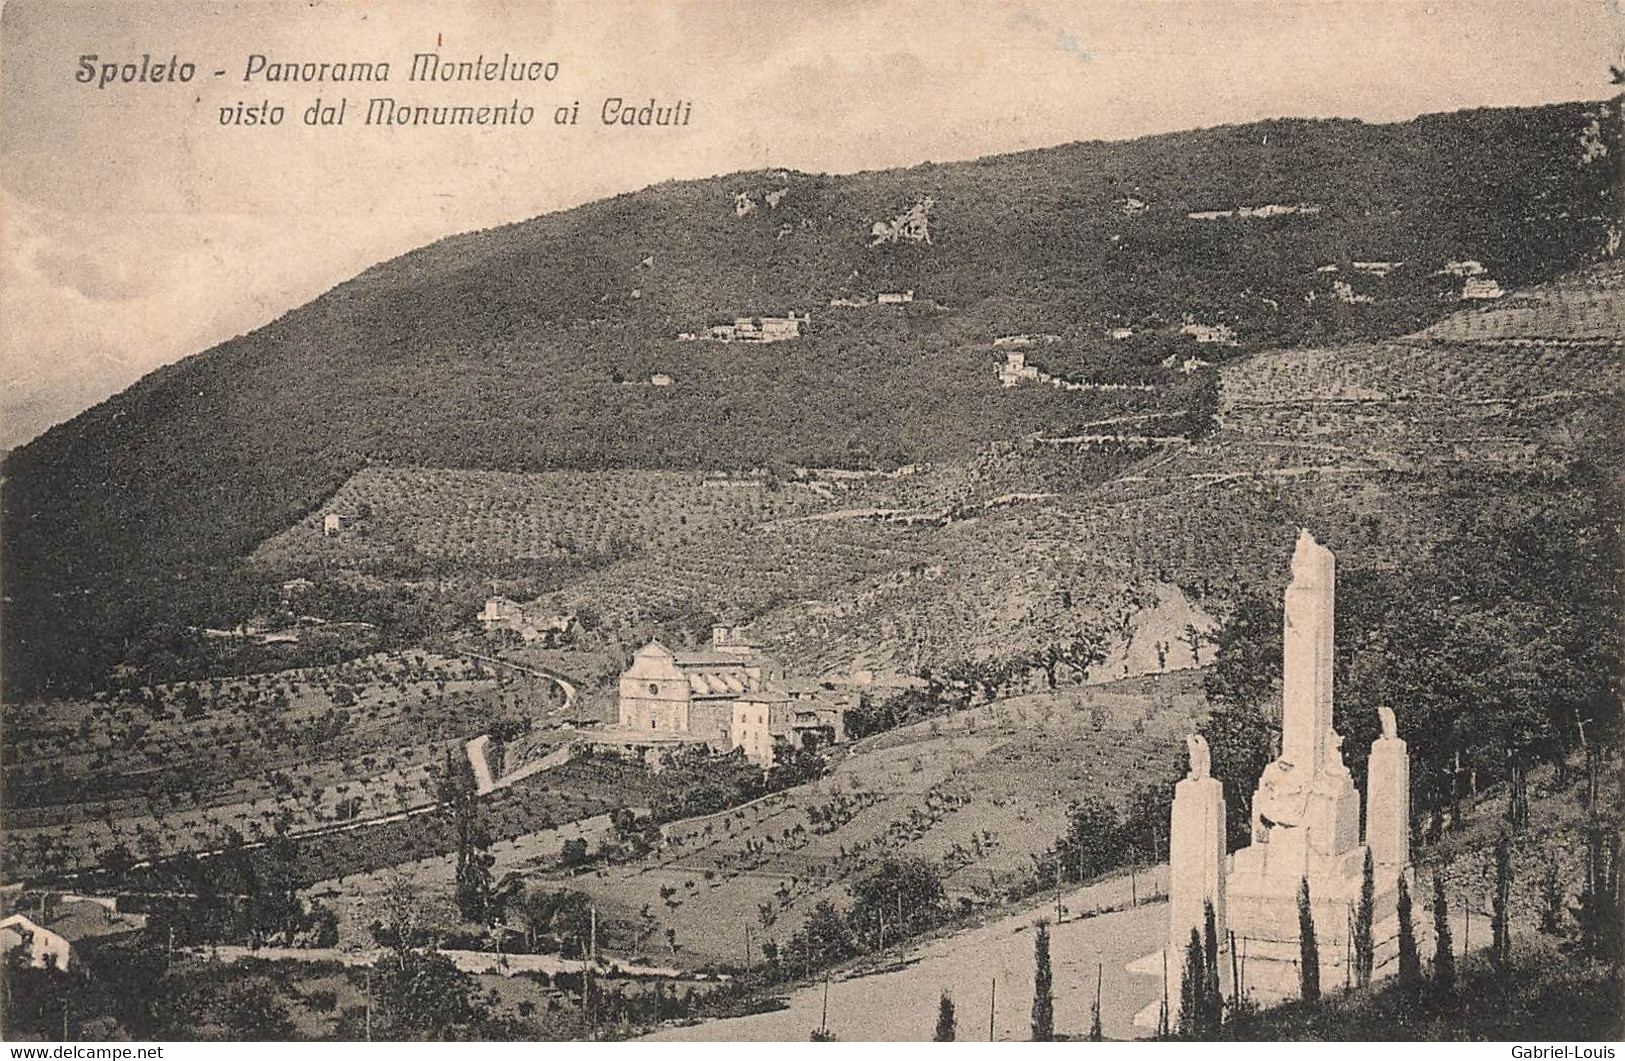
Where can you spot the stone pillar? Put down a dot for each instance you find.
(1196, 868)
(1306, 693)
(1388, 798)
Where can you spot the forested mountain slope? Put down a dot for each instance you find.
(521, 348)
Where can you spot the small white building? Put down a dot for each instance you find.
(332, 523)
(46, 949)
(660, 379)
(892, 298)
(1120, 333)
(1481, 287)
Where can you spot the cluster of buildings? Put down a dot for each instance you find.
(500, 614)
(729, 694)
(754, 330)
(1221, 334)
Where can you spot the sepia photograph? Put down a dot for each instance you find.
(735, 521)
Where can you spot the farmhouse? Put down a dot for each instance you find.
(1187, 364)
(1015, 369)
(760, 329)
(500, 611)
(892, 298)
(1209, 333)
(1481, 287)
(65, 928)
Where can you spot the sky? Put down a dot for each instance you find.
(135, 229)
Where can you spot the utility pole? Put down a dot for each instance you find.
(369, 1003)
(992, 1007)
(594, 948)
(747, 947)
(823, 1021)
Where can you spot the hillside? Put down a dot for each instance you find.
(524, 348)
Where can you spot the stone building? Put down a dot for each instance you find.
(730, 695)
(693, 692)
(760, 329)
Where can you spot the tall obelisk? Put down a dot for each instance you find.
(1306, 693)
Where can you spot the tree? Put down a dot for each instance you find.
(1094, 840)
(1096, 1033)
(1602, 926)
(1239, 736)
(253, 1013)
(1364, 946)
(1192, 1021)
(1410, 961)
(1308, 949)
(905, 894)
(945, 1020)
(1043, 987)
(1552, 900)
(1444, 954)
(1212, 996)
(423, 995)
(457, 790)
(1500, 928)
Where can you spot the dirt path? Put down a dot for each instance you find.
(900, 1005)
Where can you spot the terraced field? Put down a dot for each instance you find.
(479, 516)
(179, 767)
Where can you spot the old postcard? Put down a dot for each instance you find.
(854, 521)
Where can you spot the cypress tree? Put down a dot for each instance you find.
(1500, 929)
(1308, 949)
(1096, 1033)
(945, 1020)
(1364, 946)
(1444, 954)
(1043, 984)
(1410, 961)
(1212, 997)
(1191, 989)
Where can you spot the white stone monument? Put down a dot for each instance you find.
(1305, 826)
